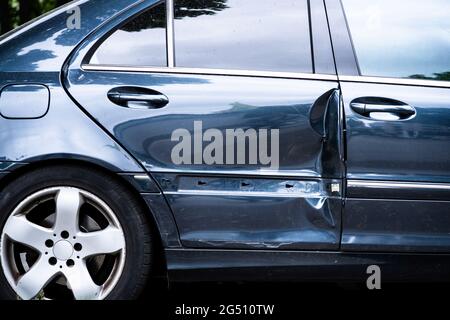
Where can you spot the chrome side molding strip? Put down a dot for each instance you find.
(398, 190)
(250, 187)
(223, 72)
(396, 185)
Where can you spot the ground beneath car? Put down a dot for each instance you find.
(287, 298)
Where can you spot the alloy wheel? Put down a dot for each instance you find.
(62, 242)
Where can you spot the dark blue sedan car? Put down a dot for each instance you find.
(223, 140)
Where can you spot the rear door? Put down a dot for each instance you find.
(232, 109)
(396, 92)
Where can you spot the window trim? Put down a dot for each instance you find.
(170, 32)
(171, 55)
(207, 71)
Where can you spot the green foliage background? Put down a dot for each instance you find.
(16, 12)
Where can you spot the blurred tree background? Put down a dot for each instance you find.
(13, 13)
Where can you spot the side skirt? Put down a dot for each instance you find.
(254, 265)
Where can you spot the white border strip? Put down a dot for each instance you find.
(265, 74)
(398, 81)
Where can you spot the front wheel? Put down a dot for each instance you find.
(72, 233)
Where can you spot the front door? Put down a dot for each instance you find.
(397, 107)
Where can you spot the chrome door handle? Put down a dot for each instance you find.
(137, 98)
(381, 109)
(404, 110)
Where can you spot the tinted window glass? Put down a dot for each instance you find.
(141, 41)
(401, 38)
(266, 35)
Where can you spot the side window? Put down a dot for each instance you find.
(401, 38)
(259, 35)
(139, 42)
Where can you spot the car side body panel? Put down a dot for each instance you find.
(211, 219)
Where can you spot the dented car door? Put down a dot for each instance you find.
(247, 150)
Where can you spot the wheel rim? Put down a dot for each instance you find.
(61, 240)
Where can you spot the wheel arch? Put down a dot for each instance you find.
(19, 170)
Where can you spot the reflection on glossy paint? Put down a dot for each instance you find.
(47, 45)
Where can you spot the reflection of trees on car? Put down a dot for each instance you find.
(156, 18)
(195, 8)
(442, 76)
(13, 13)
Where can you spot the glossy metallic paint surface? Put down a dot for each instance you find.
(164, 220)
(142, 182)
(417, 149)
(220, 102)
(33, 103)
(6, 166)
(35, 55)
(58, 134)
(396, 226)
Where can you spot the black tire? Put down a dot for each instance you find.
(126, 207)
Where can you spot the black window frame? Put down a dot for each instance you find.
(319, 33)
